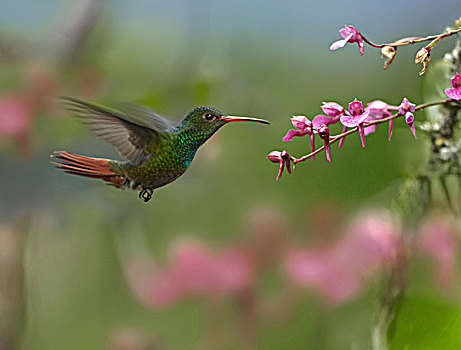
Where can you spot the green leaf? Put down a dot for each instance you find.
(427, 323)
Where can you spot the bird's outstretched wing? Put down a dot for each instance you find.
(129, 131)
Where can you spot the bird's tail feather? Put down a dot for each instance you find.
(98, 168)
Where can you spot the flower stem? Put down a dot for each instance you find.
(412, 41)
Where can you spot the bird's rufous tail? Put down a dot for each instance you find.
(98, 168)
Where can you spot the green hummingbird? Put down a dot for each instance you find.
(156, 151)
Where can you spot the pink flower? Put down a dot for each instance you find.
(438, 239)
(406, 106)
(406, 109)
(283, 158)
(349, 34)
(455, 93)
(321, 119)
(194, 270)
(317, 269)
(380, 109)
(340, 269)
(303, 126)
(16, 113)
(333, 110)
(356, 118)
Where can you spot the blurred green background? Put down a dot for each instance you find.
(267, 59)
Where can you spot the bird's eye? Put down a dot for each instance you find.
(209, 117)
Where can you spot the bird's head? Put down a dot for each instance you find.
(207, 120)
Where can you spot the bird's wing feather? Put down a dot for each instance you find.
(129, 134)
(144, 116)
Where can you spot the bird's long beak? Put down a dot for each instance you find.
(232, 118)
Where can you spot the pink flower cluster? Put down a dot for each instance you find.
(339, 268)
(356, 116)
(194, 270)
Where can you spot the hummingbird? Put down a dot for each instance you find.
(155, 150)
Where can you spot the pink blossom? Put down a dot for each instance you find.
(455, 92)
(317, 269)
(356, 118)
(284, 160)
(379, 110)
(349, 34)
(357, 114)
(321, 119)
(340, 269)
(406, 109)
(303, 126)
(194, 270)
(15, 115)
(438, 240)
(333, 110)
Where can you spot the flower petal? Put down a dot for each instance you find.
(412, 128)
(320, 119)
(312, 145)
(341, 142)
(338, 44)
(353, 121)
(370, 129)
(391, 127)
(456, 81)
(454, 93)
(333, 110)
(300, 122)
(290, 135)
(279, 175)
(362, 134)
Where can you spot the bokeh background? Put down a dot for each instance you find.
(86, 266)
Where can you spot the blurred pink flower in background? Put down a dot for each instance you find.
(438, 239)
(20, 106)
(194, 270)
(339, 269)
(132, 339)
(16, 112)
(338, 266)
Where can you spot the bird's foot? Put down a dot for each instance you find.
(146, 194)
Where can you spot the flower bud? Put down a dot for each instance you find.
(274, 156)
(389, 52)
(324, 133)
(423, 56)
